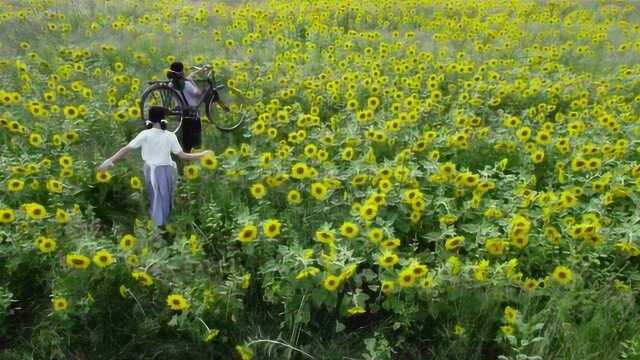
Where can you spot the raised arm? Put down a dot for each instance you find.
(197, 71)
(193, 156)
(117, 156)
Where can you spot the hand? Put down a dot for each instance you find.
(105, 165)
(207, 70)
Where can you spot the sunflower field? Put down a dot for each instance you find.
(419, 179)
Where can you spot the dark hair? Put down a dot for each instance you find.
(177, 66)
(156, 115)
(176, 72)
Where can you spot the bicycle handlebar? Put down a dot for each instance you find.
(198, 68)
(210, 71)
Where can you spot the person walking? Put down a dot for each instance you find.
(160, 171)
(191, 130)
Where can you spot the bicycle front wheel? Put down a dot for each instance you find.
(226, 108)
(165, 96)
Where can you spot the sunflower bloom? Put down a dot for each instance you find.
(562, 275)
(258, 191)
(103, 258)
(142, 277)
(54, 186)
(294, 197)
(248, 233)
(349, 230)
(388, 287)
(191, 172)
(75, 261)
(318, 191)
(128, 242)
(177, 302)
(35, 211)
(60, 304)
(331, 282)
(209, 162)
(103, 176)
(7, 216)
(271, 228)
(44, 244)
(368, 211)
(135, 183)
(406, 279)
(388, 260)
(454, 243)
(62, 217)
(510, 314)
(15, 185)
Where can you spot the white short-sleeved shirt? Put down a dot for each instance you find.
(157, 146)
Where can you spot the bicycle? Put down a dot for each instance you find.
(164, 93)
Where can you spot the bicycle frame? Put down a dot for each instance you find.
(209, 97)
(211, 90)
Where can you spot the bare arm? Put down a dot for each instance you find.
(191, 77)
(198, 71)
(117, 156)
(195, 156)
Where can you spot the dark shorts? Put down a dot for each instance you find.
(191, 133)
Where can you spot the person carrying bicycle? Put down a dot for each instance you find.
(191, 94)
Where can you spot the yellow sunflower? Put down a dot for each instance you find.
(54, 186)
(191, 172)
(294, 197)
(331, 282)
(349, 230)
(60, 304)
(103, 258)
(258, 191)
(135, 183)
(142, 277)
(7, 216)
(127, 242)
(44, 244)
(248, 233)
(562, 275)
(35, 211)
(388, 260)
(103, 176)
(209, 162)
(75, 261)
(177, 302)
(318, 191)
(406, 279)
(15, 185)
(271, 228)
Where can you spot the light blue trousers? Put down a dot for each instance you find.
(161, 195)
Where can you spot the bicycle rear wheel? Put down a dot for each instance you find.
(165, 96)
(227, 108)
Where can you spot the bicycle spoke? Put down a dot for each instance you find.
(228, 108)
(168, 99)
